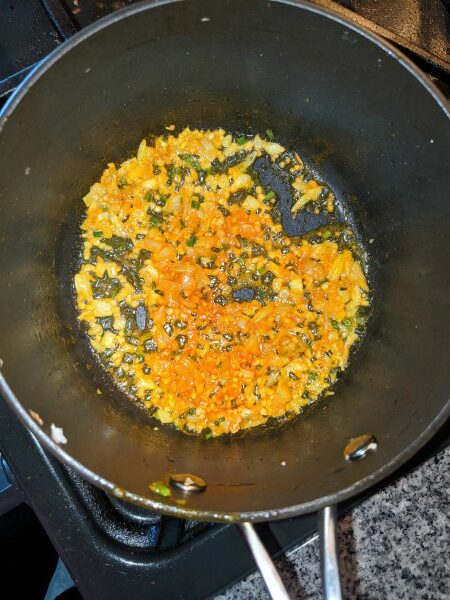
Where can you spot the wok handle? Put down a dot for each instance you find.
(264, 562)
(331, 583)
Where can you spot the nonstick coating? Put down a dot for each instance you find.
(360, 113)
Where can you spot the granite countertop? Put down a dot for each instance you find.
(396, 545)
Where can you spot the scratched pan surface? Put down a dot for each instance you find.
(364, 119)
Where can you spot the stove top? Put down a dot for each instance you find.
(115, 550)
(30, 30)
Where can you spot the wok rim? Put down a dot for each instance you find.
(148, 502)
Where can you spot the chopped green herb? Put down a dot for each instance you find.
(361, 320)
(105, 286)
(321, 282)
(195, 204)
(119, 245)
(312, 376)
(335, 324)
(106, 323)
(208, 433)
(347, 323)
(224, 211)
(270, 134)
(192, 161)
(230, 161)
(162, 199)
(98, 234)
(158, 487)
(142, 257)
(150, 346)
(326, 234)
(149, 196)
(270, 195)
(191, 241)
(155, 218)
(241, 140)
(132, 276)
(172, 170)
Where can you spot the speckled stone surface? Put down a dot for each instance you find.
(396, 545)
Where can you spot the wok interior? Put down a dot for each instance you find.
(353, 111)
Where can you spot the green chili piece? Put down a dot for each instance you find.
(158, 487)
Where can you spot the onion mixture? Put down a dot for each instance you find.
(194, 299)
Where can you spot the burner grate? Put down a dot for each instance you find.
(131, 525)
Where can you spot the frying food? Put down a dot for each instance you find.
(194, 299)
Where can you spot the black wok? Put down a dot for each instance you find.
(366, 120)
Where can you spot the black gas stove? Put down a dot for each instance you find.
(114, 550)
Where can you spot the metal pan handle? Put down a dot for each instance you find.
(331, 584)
(264, 562)
(329, 565)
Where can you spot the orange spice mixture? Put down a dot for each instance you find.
(195, 300)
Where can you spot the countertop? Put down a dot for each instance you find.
(396, 545)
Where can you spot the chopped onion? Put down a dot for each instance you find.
(57, 434)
